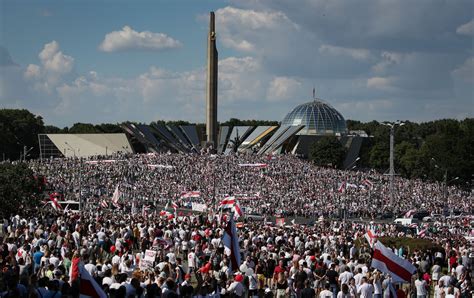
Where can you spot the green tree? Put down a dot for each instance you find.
(18, 190)
(84, 128)
(109, 128)
(328, 151)
(19, 128)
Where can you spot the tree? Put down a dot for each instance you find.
(18, 190)
(19, 128)
(83, 128)
(328, 151)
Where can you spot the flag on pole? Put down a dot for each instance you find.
(54, 202)
(371, 238)
(385, 260)
(174, 205)
(410, 213)
(237, 210)
(88, 287)
(231, 244)
(342, 187)
(116, 196)
(227, 203)
(104, 204)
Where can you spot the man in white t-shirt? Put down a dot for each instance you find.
(365, 290)
(345, 276)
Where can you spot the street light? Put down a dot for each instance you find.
(25, 152)
(445, 180)
(392, 141)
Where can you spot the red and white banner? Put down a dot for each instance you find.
(227, 203)
(116, 196)
(231, 244)
(238, 212)
(54, 202)
(88, 287)
(385, 260)
(371, 238)
(410, 213)
(190, 194)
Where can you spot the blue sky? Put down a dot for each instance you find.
(111, 61)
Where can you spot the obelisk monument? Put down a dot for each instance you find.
(211, 102)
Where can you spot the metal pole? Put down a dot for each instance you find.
(392, 168)
(24, 153)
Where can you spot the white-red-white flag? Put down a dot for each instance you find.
(227, 203)
(342, 187)
(190, 194)
(104, 204)
(385, 260)
(54, 202)
(238, 212)
(371, 238)
(410, 213)
(88, 287)
(116, 196)
(231, 244)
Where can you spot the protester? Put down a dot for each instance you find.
(130, 250)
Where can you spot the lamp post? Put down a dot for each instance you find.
(26, 151)
(392, 155)
(445, 181)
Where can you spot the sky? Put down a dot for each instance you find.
(113, 61)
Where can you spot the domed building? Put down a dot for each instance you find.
(318, 117)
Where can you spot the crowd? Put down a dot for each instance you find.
(325, 259)
(330, 259)
(286, 184)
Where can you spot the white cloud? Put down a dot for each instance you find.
(378, 83)
(54, 60)
(33, 71)
(240, 29)
(358, 54)
(466, 71)
(129, 39)
(466, 29)
(281, 88)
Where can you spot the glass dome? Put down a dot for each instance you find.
(318, 117)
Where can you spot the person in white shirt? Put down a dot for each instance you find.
(365, 290)
(191, 261)
(345, 276)
(421, 287)
(344, 292)
(358, 277)
(326, 293)
(439, 290)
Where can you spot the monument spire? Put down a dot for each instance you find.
(211, 101)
